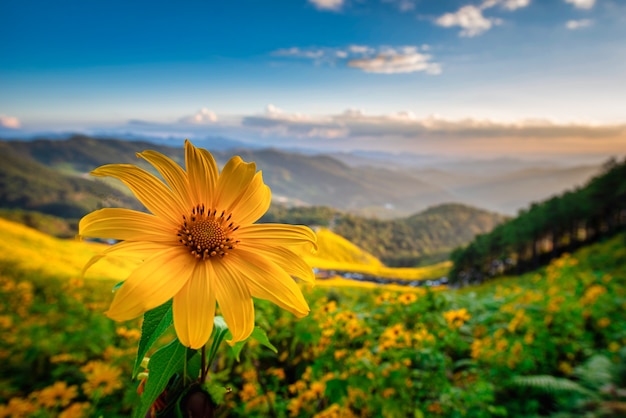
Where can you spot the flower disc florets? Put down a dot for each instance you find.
(206, 234)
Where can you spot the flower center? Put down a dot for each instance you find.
(206, 234)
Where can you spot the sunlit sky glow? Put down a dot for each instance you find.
(486, 77)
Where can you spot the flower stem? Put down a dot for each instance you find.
(203, 368)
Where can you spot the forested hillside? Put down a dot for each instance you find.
(293, 178)
(27, 184)
(424, 238)
(548, 229)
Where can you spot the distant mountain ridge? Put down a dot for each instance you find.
(294, 178)
(382, 189)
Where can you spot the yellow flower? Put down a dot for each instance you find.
(57, 394)
(102, 379)
(457, 318)
(200, 245)
(17, 407)
(407, 298)
(248, 392)
(75, 410)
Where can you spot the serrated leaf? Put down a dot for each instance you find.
(155, 322)
(164, 363)
(258, 334)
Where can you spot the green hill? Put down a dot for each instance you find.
(421, 239)
(548, 229)
(27, 184)
(294, 178)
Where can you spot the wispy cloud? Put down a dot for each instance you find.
(394, 62)
(202, 117)
(381, 60)
(471, 19)
(578, 24)
(354, 122)
(9, 122)
(402, 5)
(582, 4)
(404, 132)
(333, 5)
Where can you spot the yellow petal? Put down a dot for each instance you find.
(148, 189)
(152, 284)
(233, 182)
(277, 235)
(234, 299)
(194, 308)
(253, 202)
(268, 281)
(173, 174)
(125, 224)
(135, 251)
(284, 258)
(202, 174)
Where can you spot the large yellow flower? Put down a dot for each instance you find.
(200, 245)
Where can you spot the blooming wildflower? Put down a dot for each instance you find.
(248, 392)
(59, 394)
(456, 318)
(75, 410)
(200, 245)
(17, 407)
(102, 379)
(407, 298)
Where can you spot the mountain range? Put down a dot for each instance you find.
(363, 184)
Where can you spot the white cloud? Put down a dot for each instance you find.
(505, 4)
(582, 4)
(514, 4)
(381, 60)
(202, 117)
(327, 4)
(300, 53)
(354, 123)
(578, 24)
(402, 5)
(397, 62)
(9, 122)
(470, 19)
(360, 49)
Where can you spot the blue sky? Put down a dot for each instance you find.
(486, 77)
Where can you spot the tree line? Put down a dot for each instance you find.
(425, 238)
(547, 229)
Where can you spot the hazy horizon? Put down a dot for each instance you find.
(470, 79)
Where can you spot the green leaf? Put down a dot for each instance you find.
(155, 322)
(336, 389)
(165, 363)
(220, 330)
(117, 286)
(216, 391)
(258, 334)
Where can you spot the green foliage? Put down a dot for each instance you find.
(421, 239)
(29, 185)
(165, 363)
(547, 229)
(550, 384)
(259, 335)
(155, 322)
(364, 352)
